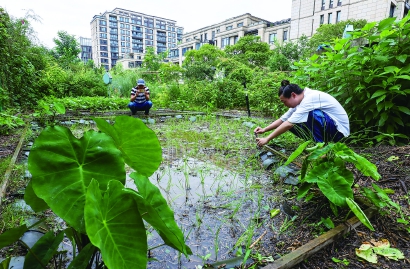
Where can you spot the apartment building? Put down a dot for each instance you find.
(229, 31)
(123, 35)
(86, 49)
(308, 15)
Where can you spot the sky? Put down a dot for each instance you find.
(74, 16)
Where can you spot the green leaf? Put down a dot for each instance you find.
(115, 226)
(335, 188)
(154, 209)
(328, 223)
(366, 167)
(60, 108)
(383, 118)
(44, 249)
(83, 258)
(139, 144)
(391, 69)
(62, 166)
(402, 58)
(36, 203)
(359, 213)
(386, 23)
(404, 109)
(5, 263)
(297, 152)
(321, 170)
(367, 254)
(369, 26)
(274, 212)
(318, 153)
(10, 236)
(372, 196)
(304, 189)
(378, 93)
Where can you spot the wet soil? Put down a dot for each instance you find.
(277, 241)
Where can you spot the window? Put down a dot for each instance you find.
(104, 54)
(103, 42)
(323, 4)
(114, 43)
(149, 31)
(148, 36)
(104, 48)
(205, 37)
(338, 14)
(240, 24)
(103, 23)
(339, 3)
(113, 37)
(329, 18)
(330, 3)
(229, 27)
(149, 42)
(103, 35)
(103, 29)
(392, 8)
(235, 39)
(122, 44)
(225, 42)
(272, 38)
(285, 35)
(322, 19)
(217, 31)
(103, 60)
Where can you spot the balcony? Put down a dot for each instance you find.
(137, 37)
(164, 39)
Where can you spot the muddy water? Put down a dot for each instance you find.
(215, 208)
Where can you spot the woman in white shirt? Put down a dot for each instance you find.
(312, 115)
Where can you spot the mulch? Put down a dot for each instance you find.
(393, 164)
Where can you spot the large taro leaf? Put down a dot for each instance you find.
(321, 170)
(359, 213)
(115, 226)
(297, 152)
(154, 209)
(139, 144)
(36, 203)
(62, 166)
(335, 188)
(44, 250)
(366, 167)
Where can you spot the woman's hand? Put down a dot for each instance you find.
(259, 130)
(261, 141)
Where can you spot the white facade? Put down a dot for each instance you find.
(308, 15)
(229, 31)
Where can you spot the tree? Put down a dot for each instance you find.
(250, 51)
(201, 64)
(284, 55)
(67, 48)
(326, 33)
(152, 61)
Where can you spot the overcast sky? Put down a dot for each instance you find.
(74, 16)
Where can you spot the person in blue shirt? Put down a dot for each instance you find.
(140, 99)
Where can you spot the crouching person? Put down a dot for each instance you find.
(139, 100)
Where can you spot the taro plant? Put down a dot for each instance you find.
(83, 182)
(9, 122)
(325, 167)
(46, 112)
